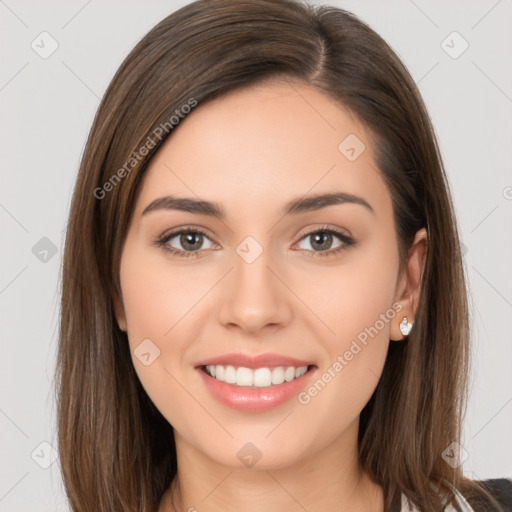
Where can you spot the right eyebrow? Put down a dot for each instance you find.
(186, 204)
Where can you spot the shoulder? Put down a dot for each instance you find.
(500, 489)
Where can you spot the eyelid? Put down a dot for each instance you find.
(326, 227)
(162, 241)
(346, 240)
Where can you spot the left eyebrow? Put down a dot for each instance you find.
(293, 207)
(316, 202)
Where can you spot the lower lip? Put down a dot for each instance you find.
(252, 399)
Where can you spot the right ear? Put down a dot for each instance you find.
(119, 312)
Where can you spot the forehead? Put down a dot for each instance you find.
(256, 147)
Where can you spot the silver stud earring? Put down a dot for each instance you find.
(405, 327)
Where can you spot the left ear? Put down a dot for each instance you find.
(409, 283)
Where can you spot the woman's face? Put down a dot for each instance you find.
(262, 288)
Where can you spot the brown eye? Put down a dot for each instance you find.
(191, 241)
(321, 242)
(186, 242)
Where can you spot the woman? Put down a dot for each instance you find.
(263, 302)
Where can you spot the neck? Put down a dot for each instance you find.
(329, 480)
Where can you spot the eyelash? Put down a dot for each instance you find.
(347, 242)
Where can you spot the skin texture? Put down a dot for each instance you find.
(252, 151)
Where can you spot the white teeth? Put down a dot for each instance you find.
(219, 372)
(244, 376)
(230, 375)
(299, 372)
(278, 375)
(260, 378)
(289, 374)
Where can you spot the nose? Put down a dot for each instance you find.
(255, 295)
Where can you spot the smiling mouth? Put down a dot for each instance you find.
(259, 377)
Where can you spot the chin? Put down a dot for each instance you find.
(257, 453)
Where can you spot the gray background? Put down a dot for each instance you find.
(47, 109)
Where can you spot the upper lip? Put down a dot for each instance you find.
(254, 361)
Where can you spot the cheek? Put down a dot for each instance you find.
(154, 302)
(157, 293)
(165, 303)
(352, 297)
(356, 302)
(159, 303)
(358, 307)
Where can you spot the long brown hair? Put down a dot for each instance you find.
(117, 451)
